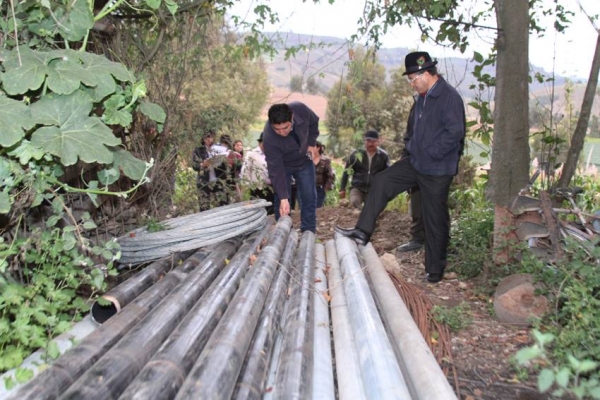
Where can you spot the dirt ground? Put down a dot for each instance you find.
(481, 351)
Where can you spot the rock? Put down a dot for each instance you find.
(344, 203)
(515, 301)
(390, 264)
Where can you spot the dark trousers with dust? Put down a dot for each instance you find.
(401, 177)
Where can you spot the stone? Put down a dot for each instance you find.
(515, 301)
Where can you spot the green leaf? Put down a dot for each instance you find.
(87, 225)
(25, 151)
(97, 278)
(25, 72)
(79, 22)
(53, 351)
(545, 380)
(154, 4)
(527, 354)
(153, 111)
(132, 167)
(562, 377)
(22, 375)
(52, 220)
(118, 117)
(108, 176)
(66, 74)
(587, 366)
(102, 67)
(171, 6)
(4, 201)
(15, 119)
(75, 135)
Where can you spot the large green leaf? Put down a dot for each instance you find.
(79, 22)
(25, 71)
(15, 118)
(66, 74)
(153, 111)
(55, 109)
(100, 65)
(73, 134)
(132, 167)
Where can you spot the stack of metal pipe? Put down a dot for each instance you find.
(265, 315)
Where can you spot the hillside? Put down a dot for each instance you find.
(326, 58)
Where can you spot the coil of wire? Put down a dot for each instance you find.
(192, 231)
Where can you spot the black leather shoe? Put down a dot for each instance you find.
(359, 236)
(413, 245)
(434, 278)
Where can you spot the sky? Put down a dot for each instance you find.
(570, 53)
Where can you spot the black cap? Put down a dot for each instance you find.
(417, 62)
(371, 135)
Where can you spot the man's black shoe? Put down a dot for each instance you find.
(413, 245)
(359, 236)
(434, 278)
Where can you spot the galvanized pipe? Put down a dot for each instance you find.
(426, 378)
(109, 377)
(216, 371)
(381, 375)
(57, 378)
(294, 371)
(253, 376)
(323, 386)
(163, 375)
(124, 293)
(348, 375)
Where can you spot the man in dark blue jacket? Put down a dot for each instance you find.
(434, 148)
(289, 139)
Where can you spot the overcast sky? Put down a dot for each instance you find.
(571, 53)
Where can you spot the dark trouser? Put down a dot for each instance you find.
(307, 196)
(265, 194)
(320, 196)
(398, 178)
(417, 228)
(212, 194)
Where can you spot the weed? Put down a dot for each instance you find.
(456, 318)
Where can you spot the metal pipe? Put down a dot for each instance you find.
(323, 386)
(216, 371)
(348, 375)
(124, 293)
(253, 376)
(294, 371)
(381, 375)
(118, 367)
(163, 375)
(419, 366)
(61, 374)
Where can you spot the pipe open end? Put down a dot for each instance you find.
(101, 313)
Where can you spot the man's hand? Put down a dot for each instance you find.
(314, 151)
(342, 194)
(284, 207)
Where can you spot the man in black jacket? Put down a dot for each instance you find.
(365, 164)
(435, 146)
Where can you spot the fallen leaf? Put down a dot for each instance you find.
(327, 296)
(317, 280)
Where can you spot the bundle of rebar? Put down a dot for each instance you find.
(192, 231)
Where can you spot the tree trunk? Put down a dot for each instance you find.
(510, 150)
(583, 121)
